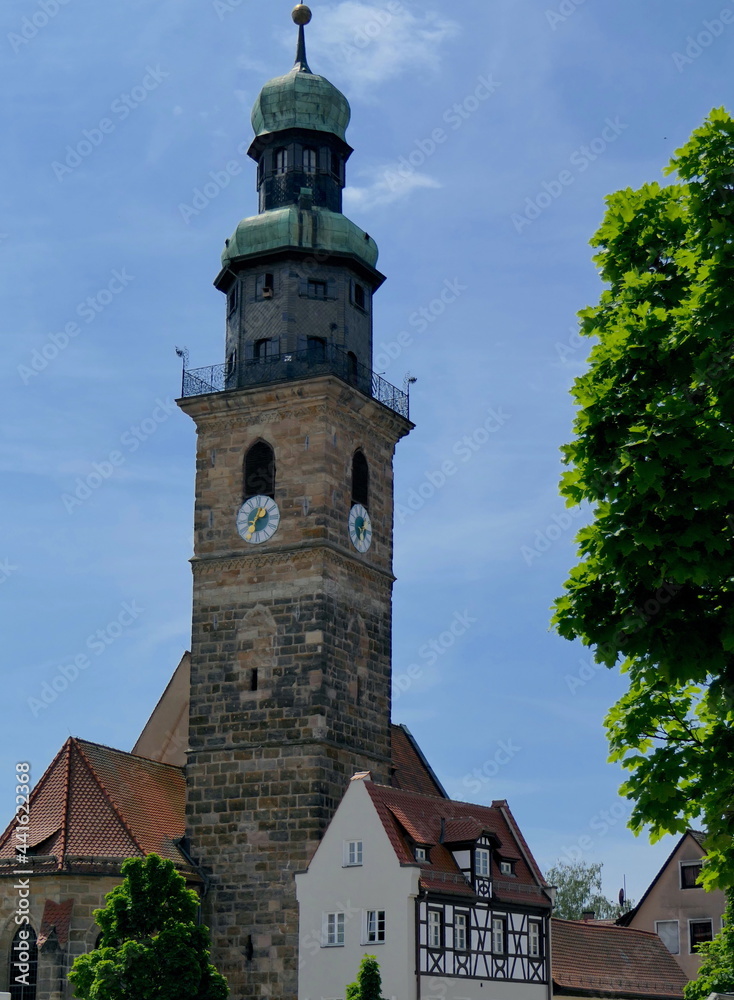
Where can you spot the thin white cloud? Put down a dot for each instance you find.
(365, 44)
(387, 187)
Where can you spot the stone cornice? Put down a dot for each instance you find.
(333, 553)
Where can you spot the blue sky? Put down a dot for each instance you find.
(486, 138)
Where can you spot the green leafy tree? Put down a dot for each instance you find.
(716, 974)
(152, 948)
(654, 454)
(369, 982)
(578, 888)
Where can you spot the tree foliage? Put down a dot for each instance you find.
(716, 974)
(578, 888)
(369, 982)
(151, 945)
(654, 453)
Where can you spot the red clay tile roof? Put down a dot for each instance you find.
(408, 816)
(56, 917)
(412, 771)
(96, 802)
(591, 958)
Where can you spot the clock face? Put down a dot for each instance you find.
(258, 519)
(360, 528)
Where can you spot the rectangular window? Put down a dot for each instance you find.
(360, 300)
(689, 872)
(460, 928)
(498, 935)
(435, 929)
(262, 349)
(334, 930)
(421, 854)
(374, 927)
(507, 867)
(352, 853)
(317, 289)
(268, 286)
(669, 933)
(700, 931)
(481, 862)
(232, 299)
(534, 950)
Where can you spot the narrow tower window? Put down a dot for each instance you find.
(262, 349)
(352, 367)
(268, 285)
(309, 160)
(281, 160)
(360, 480)
(24, 951)
(336, 165)
(260, 471)
(316, 347)
(232, 299)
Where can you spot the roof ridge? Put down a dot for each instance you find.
(599, 925)
(43, 780)
(108, 797)
(126, 753)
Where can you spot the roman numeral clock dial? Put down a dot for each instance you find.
(258, 519)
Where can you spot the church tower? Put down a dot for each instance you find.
(291, 644)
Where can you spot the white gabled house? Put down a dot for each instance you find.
(446, 895)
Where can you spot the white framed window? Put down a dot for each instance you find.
(333, 930)
(435, 929)
(353, 853)
(534, 948)
(507, 867)
(481, 862)
(460, 931)
(689, 872)
(498, 935)
(669, 933)
(374, 927)
(699, 931)
(421, 854)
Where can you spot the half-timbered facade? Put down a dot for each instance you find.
(446, 894)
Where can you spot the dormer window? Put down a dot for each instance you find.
(421, 854)
(507, 868)
(281, 160)
(481, 862)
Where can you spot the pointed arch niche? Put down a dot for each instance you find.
(259, 471)
(360, 479)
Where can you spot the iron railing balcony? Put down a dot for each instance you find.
(328, 360)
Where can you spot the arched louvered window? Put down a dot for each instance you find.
(281, 160)
(360, 480)
(260, 471)
(23, 972)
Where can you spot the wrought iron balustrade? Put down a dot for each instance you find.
(292, 365)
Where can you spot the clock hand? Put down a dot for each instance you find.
(261, 512)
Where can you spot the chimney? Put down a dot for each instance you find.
(588, 915)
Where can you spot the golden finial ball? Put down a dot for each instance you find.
(301, 14)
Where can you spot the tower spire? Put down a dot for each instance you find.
(301, 16)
